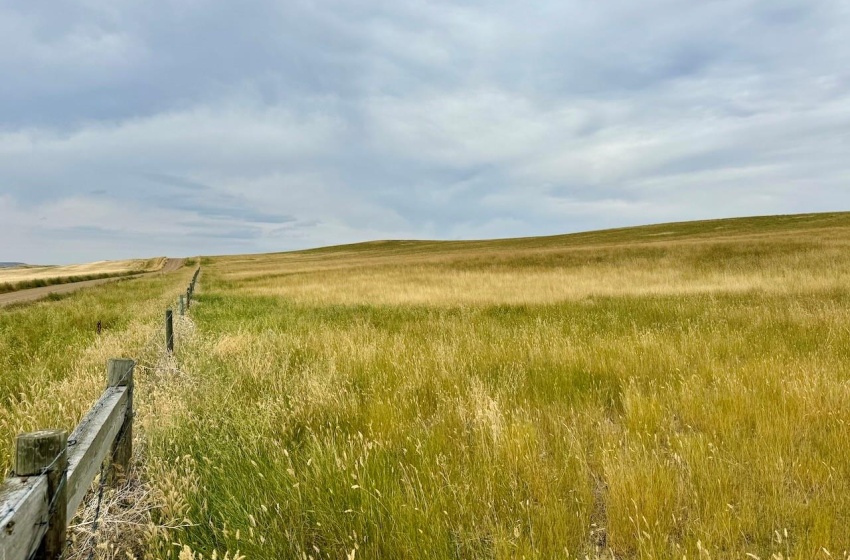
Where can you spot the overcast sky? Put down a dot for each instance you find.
(182, 127)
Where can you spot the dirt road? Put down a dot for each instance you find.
(171, 265)
(22, 296)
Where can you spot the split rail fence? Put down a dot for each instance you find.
(54, 471)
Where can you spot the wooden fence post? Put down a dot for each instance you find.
(182, 304)
(46, 452)
(119, 373)
(169, 331)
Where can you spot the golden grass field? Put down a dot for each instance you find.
(672, 391)
(21, 274)
(25, 277)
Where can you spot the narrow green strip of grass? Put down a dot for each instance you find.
(7, 287)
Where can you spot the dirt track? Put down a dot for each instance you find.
(23, 296)
(171, 265)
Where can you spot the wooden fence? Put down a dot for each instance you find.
(54, 471)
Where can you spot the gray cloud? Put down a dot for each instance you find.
(210, 127)
(205, 201)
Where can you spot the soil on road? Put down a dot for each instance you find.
(171, 265)
(23, 296)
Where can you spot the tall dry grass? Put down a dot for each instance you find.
(665, 392)
(52, 361)
(52, 370)
(20, 278)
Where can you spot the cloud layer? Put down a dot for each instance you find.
(204, 126)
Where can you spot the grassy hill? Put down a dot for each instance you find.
(739, 255)
(668, 391)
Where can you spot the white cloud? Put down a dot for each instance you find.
(228, 128)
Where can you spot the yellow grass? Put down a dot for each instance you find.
(490, 273)
(53, 369)
(27, 273)
(53, 361)
(676, 391)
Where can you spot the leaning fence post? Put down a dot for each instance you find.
(46, 452)
(119, 373)
(169, 330)
(182, 304)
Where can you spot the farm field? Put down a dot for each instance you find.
(26, 277)
(670, 391)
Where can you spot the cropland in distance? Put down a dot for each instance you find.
(15, 275)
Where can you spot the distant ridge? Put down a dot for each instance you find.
(10, 264)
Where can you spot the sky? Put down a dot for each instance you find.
(134, 128)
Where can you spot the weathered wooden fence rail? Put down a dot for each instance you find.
(53, 471)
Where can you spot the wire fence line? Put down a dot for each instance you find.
(53, 472)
